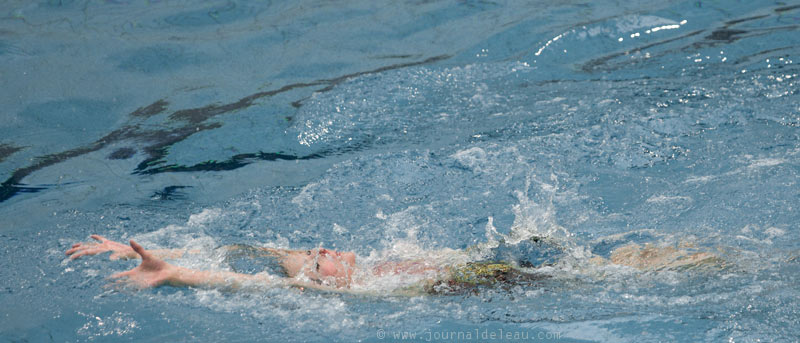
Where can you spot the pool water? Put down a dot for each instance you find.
(402, 130)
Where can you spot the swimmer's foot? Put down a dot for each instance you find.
(651, 257)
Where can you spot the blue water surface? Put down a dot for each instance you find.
(399, 129)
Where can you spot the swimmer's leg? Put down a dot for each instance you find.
(651, 257)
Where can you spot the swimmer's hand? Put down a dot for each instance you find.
(152, 272)
(119, 250)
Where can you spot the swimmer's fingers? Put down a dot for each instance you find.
(74, 248)
(87, 251)
(124, 274)
(83, 246)
(109, 243)
(120, 251)
(99, 238)
(80, 247)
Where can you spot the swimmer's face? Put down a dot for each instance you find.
(321, 265)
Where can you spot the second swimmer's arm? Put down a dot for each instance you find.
(121, 251)
(215, 279)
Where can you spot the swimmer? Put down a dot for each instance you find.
(325, 269)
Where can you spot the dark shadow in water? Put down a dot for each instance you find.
(189, 121)
(597, 63)
(150, 110)
(786, 9)
(241, 160)
(235, 162)
(122, 153)
(725, 34)
(720, 35)
(8, 150)
(758, 55)
(170, 193)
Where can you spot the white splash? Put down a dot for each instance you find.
(661, 199)
(765, 162)
(204, 217)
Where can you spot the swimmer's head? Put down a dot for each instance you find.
(321, 265)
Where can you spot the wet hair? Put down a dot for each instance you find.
(250, 259)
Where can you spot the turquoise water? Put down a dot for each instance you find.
(397, 130)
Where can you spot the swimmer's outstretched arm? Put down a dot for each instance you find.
(119, 250)
(154, 272)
